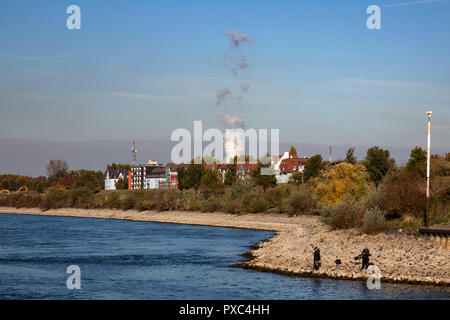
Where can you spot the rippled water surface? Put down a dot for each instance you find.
(143, 260)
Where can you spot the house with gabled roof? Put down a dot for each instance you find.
(112, 176)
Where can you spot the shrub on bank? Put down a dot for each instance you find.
(299, 203)
(55, 197)
(275, 196)
(345, 214)
(81, 197)
(440, 213)
(188, 202)
(111, 200)
(373, 221)
(403, 192)
(213, 204)
(128, 202)
(257, 205)
(233, 206)
(27, 200)
(165, 200)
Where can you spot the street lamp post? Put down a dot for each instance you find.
(428, 168)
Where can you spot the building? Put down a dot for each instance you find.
(290, 166)
(285, 165)
(112, 176)
(152, 177)
(282, 166)
(243, 170)
(151, 162)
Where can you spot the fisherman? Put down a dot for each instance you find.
(316, 265)
(365, 258)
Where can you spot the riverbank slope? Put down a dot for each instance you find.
(400, 257)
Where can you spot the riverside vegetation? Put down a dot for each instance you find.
(370, 195)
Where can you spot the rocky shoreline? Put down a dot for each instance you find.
(401, 258)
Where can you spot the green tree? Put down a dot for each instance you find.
(230, 175)
(115, 166)
(293, 151)
(211, 183)
(81, 196)
(297, 178)
(417, 159)
(181, 176)
(40, 187)
(193, 176)
(378, 163)
(265, 181)
(350, 156)
(93, 180)
(313, 167)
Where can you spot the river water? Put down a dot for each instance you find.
(144, 260)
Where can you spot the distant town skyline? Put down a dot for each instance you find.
(312, 70)
(29, 157)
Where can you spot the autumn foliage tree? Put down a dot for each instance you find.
(343, 180)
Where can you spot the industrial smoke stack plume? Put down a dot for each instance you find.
(234, 135)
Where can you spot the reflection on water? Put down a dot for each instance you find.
(143, 260)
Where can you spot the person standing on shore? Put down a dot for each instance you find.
(365, 258)
(316, 265)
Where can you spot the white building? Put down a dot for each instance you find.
(112, 176)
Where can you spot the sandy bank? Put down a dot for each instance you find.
(400, 257)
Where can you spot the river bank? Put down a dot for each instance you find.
(401, 258)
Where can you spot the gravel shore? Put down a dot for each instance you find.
(400, 257)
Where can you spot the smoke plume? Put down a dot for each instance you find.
(221, 95)
(232, 122)
(237, 38)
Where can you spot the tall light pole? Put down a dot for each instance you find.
(428, 168)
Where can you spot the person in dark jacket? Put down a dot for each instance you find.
(316, 265)
(365, 258)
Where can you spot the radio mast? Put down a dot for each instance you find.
(133, 151)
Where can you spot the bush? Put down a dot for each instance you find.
(81, 197)
(56, 197)
(373, 221)
(147, 204)
(344, 215)
(257, 205)
(11, 199)
(28, 201)
(440, 167)
(189, 202)
(111, 200)
(403, 192)
(211, 205)
(233, 206)
(299, 203)
(128, 202)
(440, 213)
(165, 200)
(274, 196)
(239, 189)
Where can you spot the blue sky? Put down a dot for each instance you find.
(140, 69)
